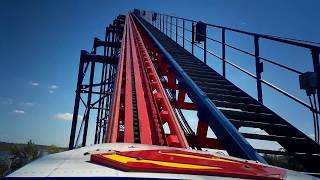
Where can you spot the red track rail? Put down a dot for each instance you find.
(113, 123)
(145, 133)
(153, 106)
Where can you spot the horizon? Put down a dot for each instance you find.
(43, 39)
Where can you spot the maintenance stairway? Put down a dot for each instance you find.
(238, 107)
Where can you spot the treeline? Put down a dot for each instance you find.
(22, 154)
(287, 162)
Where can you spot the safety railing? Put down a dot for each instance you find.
(176, 27)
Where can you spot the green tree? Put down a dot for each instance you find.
(288, 162)
(22, 154)
(3, 166)
(54, 149)
(31, 150)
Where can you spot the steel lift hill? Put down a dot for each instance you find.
(147, 76)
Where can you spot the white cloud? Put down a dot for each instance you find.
(18, 111)
(54, 87)
(27, 104)
(66, 116)
(34, 83)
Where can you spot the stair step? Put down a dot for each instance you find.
(254, 124)
(200, 70)
(189, 62)
(242, 106)
(213, 78)
(216, 83)
(173, 50)
(248, 116)
(272, 137)
(181, 56)
(285, 153)
(230, 98)
(172, 44)
(214, 91)
(207, 85)
(185, 62)
(201, 75)
(266, 151)
(197, 68)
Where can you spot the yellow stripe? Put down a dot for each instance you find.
(125, 159)
(199, 157)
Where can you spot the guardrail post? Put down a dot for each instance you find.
(223, 52)
(316, 66)
(205, 50)
(163, 23)
(192, 39)
(167, 25)
(157, 22)
(259, 69)
(176, 30)
(160, 22)
(170, 26)
(183, 33)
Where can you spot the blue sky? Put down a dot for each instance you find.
(40, 43)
